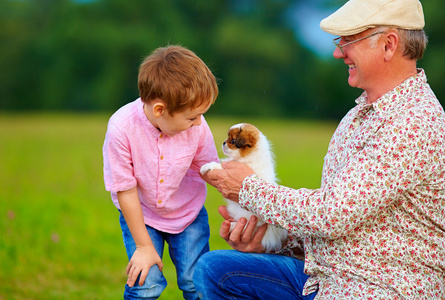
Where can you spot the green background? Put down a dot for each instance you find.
(66, 66)
(60, 230)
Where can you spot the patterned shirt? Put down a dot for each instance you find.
(375, 229)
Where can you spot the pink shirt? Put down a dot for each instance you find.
(164, 169)
(375, 229)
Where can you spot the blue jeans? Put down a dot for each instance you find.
(185, 249)
(229, 274)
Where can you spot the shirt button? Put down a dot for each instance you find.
(310, 257)
(159, 201)
(161, 181)
(162, 157)
(161, 136)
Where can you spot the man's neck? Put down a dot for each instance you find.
(391, 78)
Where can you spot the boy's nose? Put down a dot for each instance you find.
(197, 122)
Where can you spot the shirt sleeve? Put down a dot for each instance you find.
(376, 175)
(118, 164)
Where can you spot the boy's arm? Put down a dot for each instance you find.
(145, 255)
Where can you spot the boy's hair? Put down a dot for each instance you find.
(178, 77)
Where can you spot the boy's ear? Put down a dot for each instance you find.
(159, 109)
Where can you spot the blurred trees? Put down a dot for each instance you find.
(84, 55)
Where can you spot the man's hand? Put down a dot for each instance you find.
(244, 240)
(228, 180)
(141, 262)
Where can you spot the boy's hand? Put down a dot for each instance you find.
(141, 262)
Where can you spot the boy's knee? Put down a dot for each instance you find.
(143, 292)
(152, 287)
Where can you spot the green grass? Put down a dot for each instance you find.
(60, 232)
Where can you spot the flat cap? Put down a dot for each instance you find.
(356, 16)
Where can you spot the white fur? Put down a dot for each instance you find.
(262, 163)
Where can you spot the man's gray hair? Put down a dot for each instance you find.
(413, 42)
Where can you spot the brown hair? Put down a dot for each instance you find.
(178, 77)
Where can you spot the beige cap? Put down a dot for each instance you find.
(356, 16)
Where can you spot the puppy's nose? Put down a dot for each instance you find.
(224, 143)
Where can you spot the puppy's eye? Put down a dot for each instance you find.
(232, 141)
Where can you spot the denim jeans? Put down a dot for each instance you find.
(229, 274)
(185, 249)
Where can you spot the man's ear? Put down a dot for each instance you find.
(391, 44)
(159, 109)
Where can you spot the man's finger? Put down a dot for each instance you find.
(250, 229)
(213, 177)
(259, 234)
(237, 232)
(231, 164)
(215, 174)
(224, 231)
(224, 212)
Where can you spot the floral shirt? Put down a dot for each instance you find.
(375, 229)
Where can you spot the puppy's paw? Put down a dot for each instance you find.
(209, 167)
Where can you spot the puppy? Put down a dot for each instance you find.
(246, 144)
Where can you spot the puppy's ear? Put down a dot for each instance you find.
(240, 141)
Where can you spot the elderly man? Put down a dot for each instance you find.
(375, 229)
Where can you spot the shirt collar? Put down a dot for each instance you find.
(149, 127)
(385, 104)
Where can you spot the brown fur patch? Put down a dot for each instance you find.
(243, 138)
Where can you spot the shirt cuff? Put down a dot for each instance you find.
(244, 199)
(251, 187)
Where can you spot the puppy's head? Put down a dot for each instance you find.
(241, 141)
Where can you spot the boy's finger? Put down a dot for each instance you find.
(130, 283)
(144, 274)
(160, 266)
(132, 277)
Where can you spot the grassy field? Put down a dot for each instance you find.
(60, 232)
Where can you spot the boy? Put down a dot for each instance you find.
(153, 150)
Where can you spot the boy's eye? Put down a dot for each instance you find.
(193, 119)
